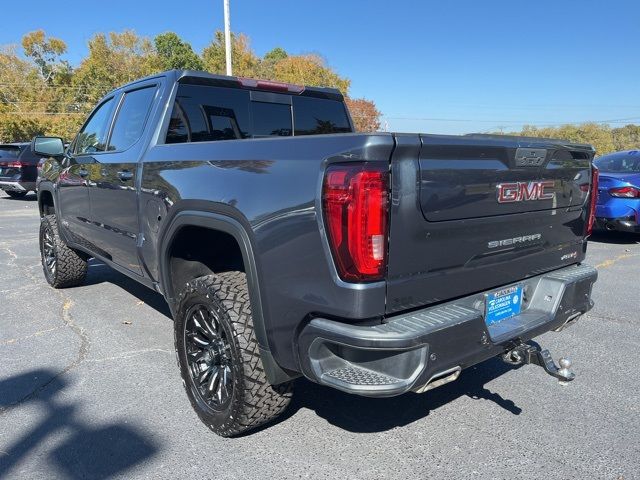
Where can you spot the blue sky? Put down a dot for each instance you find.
(431, 66)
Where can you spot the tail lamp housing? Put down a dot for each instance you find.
(625, 192)
(355, 210)
(12, 164)
(593, 199)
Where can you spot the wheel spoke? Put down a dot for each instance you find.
(226, 375)
(203, 376)
(208, 355)
(219, 391)
(198, 341)
(210, 325)
(201, 324)
(215, 379)
(196, 357)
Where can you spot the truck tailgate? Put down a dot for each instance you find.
(470, 213)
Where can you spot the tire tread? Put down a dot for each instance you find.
(261, 402)
(71, 269)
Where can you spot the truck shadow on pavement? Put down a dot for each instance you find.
(366, 415)
(30, 197)
(100, 273)
(350, 412)
(85, 451)
(618, 238)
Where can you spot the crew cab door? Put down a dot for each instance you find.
(73, 181)
(113, 189)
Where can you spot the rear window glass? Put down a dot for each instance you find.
(9, 152)
(619, 163)
(313, 116)
(204, 113)
(271, 119)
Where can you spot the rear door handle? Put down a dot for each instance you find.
(125, 175)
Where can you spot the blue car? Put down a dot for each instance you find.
(618, 205)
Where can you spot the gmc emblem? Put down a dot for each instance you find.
(524, 192)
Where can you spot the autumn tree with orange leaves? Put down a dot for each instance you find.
(41, 93)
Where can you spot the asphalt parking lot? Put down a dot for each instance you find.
(89, 388)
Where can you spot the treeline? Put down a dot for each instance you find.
(604, 138)
(41, 93)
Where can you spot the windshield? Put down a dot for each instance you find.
(626, 163)
(7, 151)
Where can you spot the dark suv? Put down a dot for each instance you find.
(18, 169)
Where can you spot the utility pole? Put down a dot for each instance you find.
(227, 37)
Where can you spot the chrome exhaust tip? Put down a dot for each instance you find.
(439, 379)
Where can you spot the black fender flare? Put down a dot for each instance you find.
(47, 186)
(225, 219)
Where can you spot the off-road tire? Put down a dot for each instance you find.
(254, 401)
(70, 269)
(14, 194)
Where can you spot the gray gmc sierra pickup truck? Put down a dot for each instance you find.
(287, 245)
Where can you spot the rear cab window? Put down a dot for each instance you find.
(315, 116)
(204, 113)
(271, 119)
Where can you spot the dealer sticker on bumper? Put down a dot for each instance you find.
(503, 304)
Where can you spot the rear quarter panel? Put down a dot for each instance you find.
(272, 187)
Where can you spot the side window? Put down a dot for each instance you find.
(313, 116)
(131, 118)
(204, 113)
(271, 119)
(93, 136)
(178, 128)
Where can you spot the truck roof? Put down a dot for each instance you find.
(205, 78)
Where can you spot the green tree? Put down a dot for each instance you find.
(113, 61)
(244, 61)
(600, 136)
(626, 138)
(309, 70)
(173, 52)
(275, 55)
(45, 53)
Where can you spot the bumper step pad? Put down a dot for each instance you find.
(354, 375)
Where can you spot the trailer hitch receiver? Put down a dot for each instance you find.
(524, 353)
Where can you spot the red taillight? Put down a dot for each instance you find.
(593, 199)
(270, 85)
(354, 202)
(17, 164)
(625, 192)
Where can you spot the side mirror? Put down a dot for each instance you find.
(47, 146)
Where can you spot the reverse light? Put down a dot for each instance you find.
(625, 192)
(354, 202)
(593, 199)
